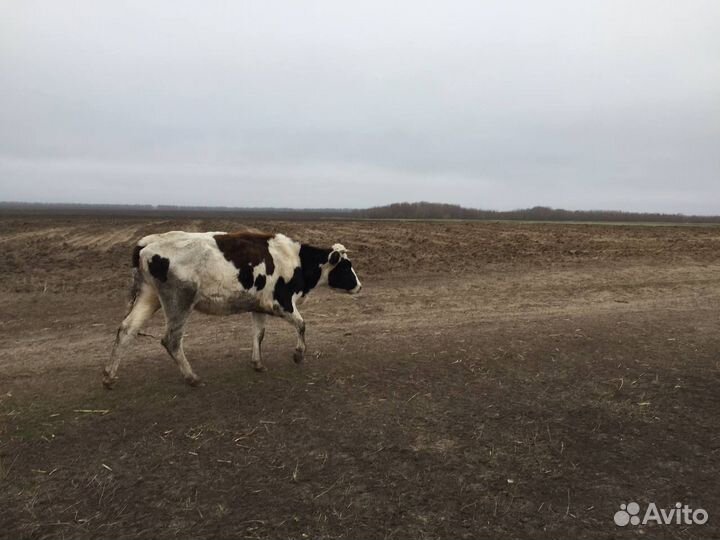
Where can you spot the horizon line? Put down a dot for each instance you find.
(181, 207)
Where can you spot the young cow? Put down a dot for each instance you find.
(219, 274)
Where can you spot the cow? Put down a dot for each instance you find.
(221, 273)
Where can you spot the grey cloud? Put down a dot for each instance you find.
(329, 104)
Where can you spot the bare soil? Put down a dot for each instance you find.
(492, 380)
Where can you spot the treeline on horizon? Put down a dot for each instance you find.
(404, 210)
(427, 210)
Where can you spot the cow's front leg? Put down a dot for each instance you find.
(258, 321)
(299, 354)
(297, 321)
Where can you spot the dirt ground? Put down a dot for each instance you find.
(492, 380)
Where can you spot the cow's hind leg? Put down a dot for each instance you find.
(145, 305)
(178, 305)
(258, 321)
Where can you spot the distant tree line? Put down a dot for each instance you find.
(427, 210)
(404, 210)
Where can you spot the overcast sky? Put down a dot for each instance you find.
(491, 104)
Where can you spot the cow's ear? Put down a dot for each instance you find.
(334, 258)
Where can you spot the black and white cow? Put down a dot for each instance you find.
(220, 274)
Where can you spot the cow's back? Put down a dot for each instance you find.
(186, 257)
(176, 237)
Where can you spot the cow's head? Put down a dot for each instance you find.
(342, 276)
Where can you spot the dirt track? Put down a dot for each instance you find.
(491, 381)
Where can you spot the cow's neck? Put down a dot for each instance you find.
(311, 259)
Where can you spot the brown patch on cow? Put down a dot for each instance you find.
(244, 248)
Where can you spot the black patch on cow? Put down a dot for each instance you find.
(136, 256)
(158, 267)
(342, 276)
(246, 249)
(260, 282)
(284, 290)
(245, 276)
(305, 277)
(311, 258)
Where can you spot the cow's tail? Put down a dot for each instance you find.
(137, 279)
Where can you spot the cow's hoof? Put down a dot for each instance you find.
(259, 368)
(193, 380)
(298, 356)
(108, 381)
